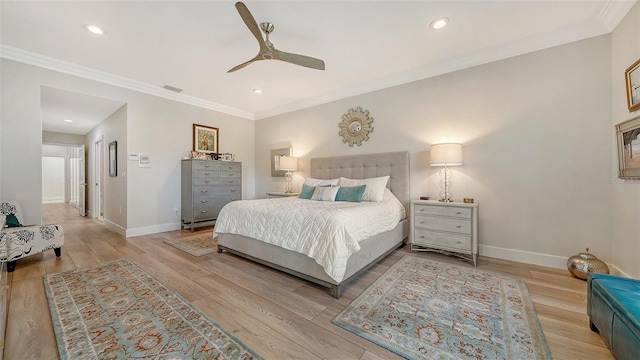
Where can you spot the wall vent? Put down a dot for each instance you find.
(172, 88)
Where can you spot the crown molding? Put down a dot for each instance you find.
(485, 56)
(612, 12)
(31, 58)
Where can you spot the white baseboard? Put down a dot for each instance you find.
(146, 230)
(53, 199)
(527, 257)
(115, 227)
(616, 271)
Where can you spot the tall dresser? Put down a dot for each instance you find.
(207, 186)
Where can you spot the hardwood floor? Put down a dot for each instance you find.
(277, 315)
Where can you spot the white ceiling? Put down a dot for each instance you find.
(366, 45)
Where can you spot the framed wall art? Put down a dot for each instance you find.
(205, 139)
(632, 79)
(113, 159)
(628, 149)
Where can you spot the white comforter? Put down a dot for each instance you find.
(326, 231)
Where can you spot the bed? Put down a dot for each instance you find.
(372, 248)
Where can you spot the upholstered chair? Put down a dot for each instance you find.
(23, 241)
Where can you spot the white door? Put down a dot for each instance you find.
(81, 181)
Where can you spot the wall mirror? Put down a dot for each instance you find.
(275, 161)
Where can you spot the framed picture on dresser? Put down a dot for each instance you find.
(205, 139)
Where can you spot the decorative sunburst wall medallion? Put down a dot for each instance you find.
(355, 127)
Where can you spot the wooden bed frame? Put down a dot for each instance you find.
(373, 249)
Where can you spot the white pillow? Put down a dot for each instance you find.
(320, 182)
(325, 193)
(375, 187)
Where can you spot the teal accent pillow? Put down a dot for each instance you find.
(350, 193)
(12, 221)
(307, 191)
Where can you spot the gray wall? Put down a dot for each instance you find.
(113, 128)
(625, 46)
(535, 138)
(52, 137)
(158, 127)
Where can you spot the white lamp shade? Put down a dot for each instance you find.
(288, 163)
(445, 155)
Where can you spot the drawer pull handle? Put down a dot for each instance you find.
(231, 181)
(458, 242)
(230, 174)
(459, 212)
(204, 191)
(421, 222)
(458, 227)
(233, 190)
(421, 236)
(207, 181)
(203, 211)
(206, 166)
(204, 201)
(421, 209)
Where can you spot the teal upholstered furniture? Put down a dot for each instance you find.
(23, 241)
(613, 305)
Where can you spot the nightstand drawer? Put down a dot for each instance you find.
(443, 224)
(437, 210)
(428, 238)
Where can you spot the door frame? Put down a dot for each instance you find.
(98, 176)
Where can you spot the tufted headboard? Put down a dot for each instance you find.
(395, 164)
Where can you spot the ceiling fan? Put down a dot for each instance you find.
(267, 51)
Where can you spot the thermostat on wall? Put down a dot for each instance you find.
(144, 161)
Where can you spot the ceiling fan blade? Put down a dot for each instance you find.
(238, 67)
(251, 23)
(301, 60)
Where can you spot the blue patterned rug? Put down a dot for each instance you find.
(423, 309)
(116, 310)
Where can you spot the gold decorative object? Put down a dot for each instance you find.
(582, 264)
(355, 127)
(468, 200)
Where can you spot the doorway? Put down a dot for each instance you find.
(63, 174)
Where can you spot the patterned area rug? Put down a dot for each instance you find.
(423, 309)
(196, 245)
(116, 310)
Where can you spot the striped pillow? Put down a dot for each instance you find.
(325, 193)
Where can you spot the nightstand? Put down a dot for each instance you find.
(280, 194)
(448, 227)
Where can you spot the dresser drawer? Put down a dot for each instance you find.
(441, 240)
(205, 173)
(208, 212)
(205, 165)
(233, 167)
(205, 181)
(230, 181)
(227, 174)
(462, 226)
(437, 210)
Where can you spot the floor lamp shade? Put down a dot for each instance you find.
(289, 164)
(445, 155)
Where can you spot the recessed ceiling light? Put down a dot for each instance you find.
(439, 23)
(96, 30)
(68, 120)
(257, 91)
